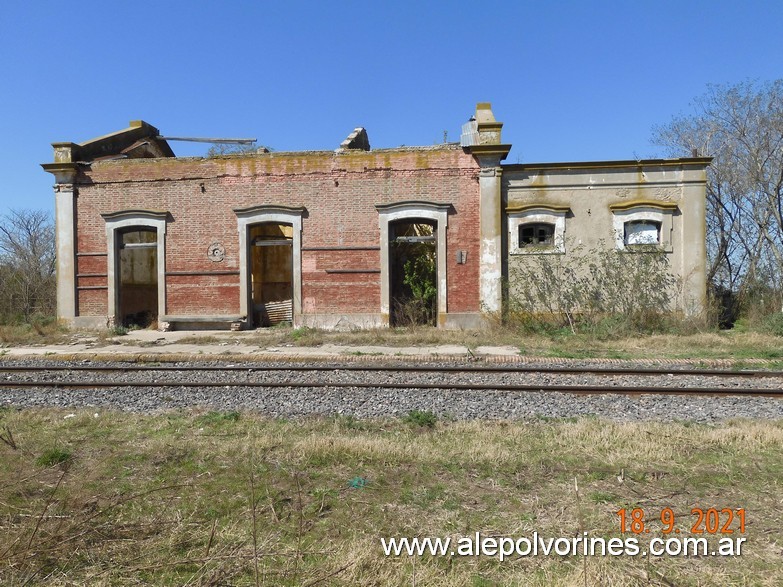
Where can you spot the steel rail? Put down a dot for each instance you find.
(573, 389)
(555, 369)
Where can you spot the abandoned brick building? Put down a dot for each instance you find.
(344, 238)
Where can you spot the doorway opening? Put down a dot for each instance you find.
(137, 249)
(413, 272)
(271, 273)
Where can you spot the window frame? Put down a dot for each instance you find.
(528, 214)
(535, 237)
(652, 211)
(652, 223)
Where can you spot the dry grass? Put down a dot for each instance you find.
(36, 333)
(219, 499)
(395, 337)
(716, 344)
(727, 345)
(731, 345)
(734, 345)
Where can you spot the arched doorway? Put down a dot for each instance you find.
(401, 225)
(137, 278)
(413, 272)
(136, 266)
(271, 273)
(270, 266)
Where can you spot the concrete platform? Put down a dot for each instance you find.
(148, 344)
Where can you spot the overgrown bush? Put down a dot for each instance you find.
(759, 302)
(420, 277)
(601, 291)
(418, 305)
(773, 324)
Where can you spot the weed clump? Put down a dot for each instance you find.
(421, 418)
(54, 456)
(306, 336)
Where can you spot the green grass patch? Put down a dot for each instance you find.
(53, 456)
(217, 418)
(421, 418)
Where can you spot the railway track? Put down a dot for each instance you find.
(512, 378)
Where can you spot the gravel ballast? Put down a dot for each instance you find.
(374, 402)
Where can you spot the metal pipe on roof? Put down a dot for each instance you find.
(207, 140)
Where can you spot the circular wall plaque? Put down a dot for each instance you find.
(216, 252)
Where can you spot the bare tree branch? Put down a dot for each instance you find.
(741, 126)
(27, 264)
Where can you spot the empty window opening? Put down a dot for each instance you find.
(642, 232)
(138, 279)
(536, 235)
(413, 272)
(271, 275)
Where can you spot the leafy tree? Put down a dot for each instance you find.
(741, 126)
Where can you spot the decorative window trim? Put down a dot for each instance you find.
(537, 214)
(247, 217)
(411, 210)
(656, 211)
(116, 221)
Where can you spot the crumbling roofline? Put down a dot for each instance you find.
(138, 128)
(140, 139)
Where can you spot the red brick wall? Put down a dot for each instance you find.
(339, 193)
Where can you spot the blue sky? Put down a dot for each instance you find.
(572, 81)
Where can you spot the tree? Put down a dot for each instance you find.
(27, 264)
(741, 126)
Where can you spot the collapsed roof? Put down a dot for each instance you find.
(140, 140)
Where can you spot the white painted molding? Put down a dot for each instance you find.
(247, 217)
(412, 210)
(115, 221)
